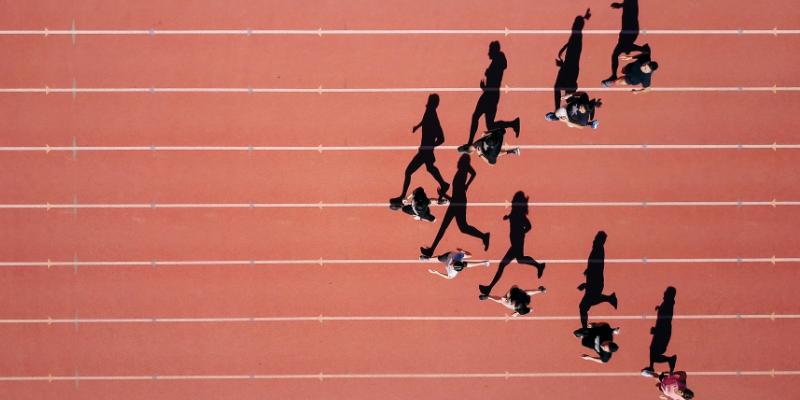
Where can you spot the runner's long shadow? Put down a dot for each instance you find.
(662, 332)
(458, 207)
(490, 98)
(520, 226)
(628, 34)
(432, 136)
(595, 281)
(569, 66)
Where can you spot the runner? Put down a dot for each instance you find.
(516, 299)
(454, 263)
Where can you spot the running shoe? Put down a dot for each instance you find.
(464, 149)
(608, 83)
(550, 117)
(594, 124)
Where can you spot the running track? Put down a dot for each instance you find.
(112, 332)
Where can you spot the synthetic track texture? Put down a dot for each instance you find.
(194, 195)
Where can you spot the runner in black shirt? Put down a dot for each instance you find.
(516, 299)
(490, 146)
(417, 205)
(578, 112)
(599, 337)
(637, 72)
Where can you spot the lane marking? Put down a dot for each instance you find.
(319, 32)
(75, 206)
(250, 148)
(250, 262)
(502, 375)
(320, 318)
(775, 89)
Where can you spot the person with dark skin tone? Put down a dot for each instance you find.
(432, 136)
(487, 104)
(595, 282)
(520, 226)
(662, 333)
(458, 207)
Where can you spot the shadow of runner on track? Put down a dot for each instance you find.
(595, 281)
(520, 226)
(569, 66)
(662, 332)
(628, 34)
(458, 207)
(487, 103)
(432, 136)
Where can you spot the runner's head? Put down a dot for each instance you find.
(592, 104)
(610, 346)
(459, 265)
(494, 49)
(685, 393)
(493, 140)
(522, 310)
(433, 101)
(649, 67)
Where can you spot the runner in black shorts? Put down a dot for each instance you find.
(637, 72)
(598, 336)
(490, 146)
(579, 111)
(417, 205)
(516, 299)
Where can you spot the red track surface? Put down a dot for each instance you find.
(385, 119)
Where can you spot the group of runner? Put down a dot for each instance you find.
(579, 112)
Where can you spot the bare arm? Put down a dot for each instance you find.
(590, 358)
(644, 90)
(533, 292)
(566, 121)
(630, 55)
(435, 272)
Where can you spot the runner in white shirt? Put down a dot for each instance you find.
(454, 263)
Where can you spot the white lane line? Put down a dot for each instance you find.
(320, 90)
(774, 146)
(321, 32)
(75, 206)
(323, 318)
(157, 263)
(322, 376)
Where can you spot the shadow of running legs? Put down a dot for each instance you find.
(662, 333)
(595, 282)
(432, 136)
(520, 226)
(458, 207)
(487, 103)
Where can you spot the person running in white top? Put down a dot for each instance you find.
(454, 263)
